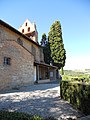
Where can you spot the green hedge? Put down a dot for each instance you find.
(78, 94)
(6, 115)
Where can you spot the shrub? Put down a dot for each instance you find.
(77, 94)
(66, 77)
(5, 115)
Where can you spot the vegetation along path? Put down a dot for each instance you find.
(41, 99)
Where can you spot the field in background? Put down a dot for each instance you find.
(77, 75)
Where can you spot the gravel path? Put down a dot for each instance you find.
(41, 99)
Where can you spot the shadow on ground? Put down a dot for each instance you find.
(42, 86)
(41, 99)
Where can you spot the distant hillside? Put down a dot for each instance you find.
(77, 72)
(87, 70)
(72, 72)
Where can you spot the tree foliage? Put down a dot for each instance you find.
(58, 52)
(46, 48)
(43, 40)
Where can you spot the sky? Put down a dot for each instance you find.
(74, 16)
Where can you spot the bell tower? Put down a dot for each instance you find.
(29, 29)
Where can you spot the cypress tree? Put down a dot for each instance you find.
(58, 52)
(46, 48)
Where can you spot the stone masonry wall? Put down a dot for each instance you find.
(21, 70)
(9, 35)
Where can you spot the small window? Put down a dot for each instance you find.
(7, 61)
(22, 30)
(28, 29)
(26, 24)
(20, 41)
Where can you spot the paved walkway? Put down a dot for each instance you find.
(41, 99)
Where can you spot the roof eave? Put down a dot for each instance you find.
(16, 31)
(44, 64)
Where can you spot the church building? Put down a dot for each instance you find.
(21, 57)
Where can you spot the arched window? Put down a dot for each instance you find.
(22, 30)
(26, 24)
(28, 29)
